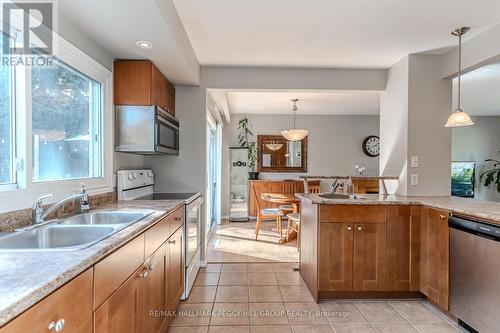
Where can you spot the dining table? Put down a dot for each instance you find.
(284, 199)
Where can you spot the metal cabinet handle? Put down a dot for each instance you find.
(349, 228)
(144, 274)
(442, 217)
(360, 228)
(171, 241)
(57, 326)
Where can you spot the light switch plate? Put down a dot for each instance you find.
(414, 180)
(414, 161)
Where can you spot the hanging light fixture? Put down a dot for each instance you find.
(274, 146)
(459, 118)
(294, 134)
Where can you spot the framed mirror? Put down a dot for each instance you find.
(276, 154)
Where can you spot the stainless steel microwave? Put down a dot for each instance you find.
(146, 130)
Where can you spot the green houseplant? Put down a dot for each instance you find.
(491, 176)
(244, 136)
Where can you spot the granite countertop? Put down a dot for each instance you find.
(487, 210)
(353, 176)
(28, 276)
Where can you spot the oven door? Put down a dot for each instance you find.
(192, 227)
(166, 136)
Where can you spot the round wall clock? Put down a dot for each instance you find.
(371, 146)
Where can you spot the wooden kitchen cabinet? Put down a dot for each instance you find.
(71, 304)
(403, 248)
(370, 257)
(435, 256)
(336, 256)
(140, 82)
(152, 293)
(120, 312)
(174, 269)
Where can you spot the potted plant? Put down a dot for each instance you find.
(491, 176)
(246, 132)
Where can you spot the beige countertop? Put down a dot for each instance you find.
(28, 276)
(487, 210)
(354, 177)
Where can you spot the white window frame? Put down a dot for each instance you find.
(26, 191)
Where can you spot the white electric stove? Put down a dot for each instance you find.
(139, 185)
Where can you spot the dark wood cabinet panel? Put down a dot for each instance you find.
(174, 269)
(71, 303)
(435, 256)
(370, 257)
(336, 256)
(120, 312)
(152, 292)
(403, 248)
(140, 82)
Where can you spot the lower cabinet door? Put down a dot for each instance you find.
(370, 257)
(68, 309)
(152, 292)
(174, 269)
(335, 256)
(120, 313)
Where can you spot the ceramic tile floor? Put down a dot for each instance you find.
(271, 297)
(235, 242)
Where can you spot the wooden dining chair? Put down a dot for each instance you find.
(294, 225)
(314, 186)
(289, 187)
(267, 214)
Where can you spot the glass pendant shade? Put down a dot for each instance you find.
(274, 146)
(294, 134)
(459, 119)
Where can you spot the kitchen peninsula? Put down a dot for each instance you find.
(382, 245)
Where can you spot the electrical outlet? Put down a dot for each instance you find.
(414, 161)
(414, 180)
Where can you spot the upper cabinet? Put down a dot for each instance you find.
(139, 82)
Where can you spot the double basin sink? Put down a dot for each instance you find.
(72, 233)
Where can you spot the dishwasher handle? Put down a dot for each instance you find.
(477, 228)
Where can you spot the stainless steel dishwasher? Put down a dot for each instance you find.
(475, 274)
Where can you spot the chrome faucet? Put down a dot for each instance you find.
(39, 215)
(335, 185)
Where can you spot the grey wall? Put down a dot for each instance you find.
(394, 127)
(414, 109)
(334, 144)
(477, 143)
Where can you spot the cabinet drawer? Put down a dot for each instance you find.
(352, 214)
(161, 231)
(177, 219)
(71, 303)
(157, 235)
(113, 270)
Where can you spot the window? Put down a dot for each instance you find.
(7, 116)
(56, 125)
(66, 124)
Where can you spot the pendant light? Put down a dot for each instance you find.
(294, 134)
(459, 118)
(274, 146)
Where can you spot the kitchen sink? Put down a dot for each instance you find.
(341, 196)
(72, 233)
(105, 218)
(56, 237)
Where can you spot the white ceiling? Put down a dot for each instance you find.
(117, 24)
(480, 91)
(327, 33)
(278, 102)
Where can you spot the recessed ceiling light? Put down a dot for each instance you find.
(144, 44)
